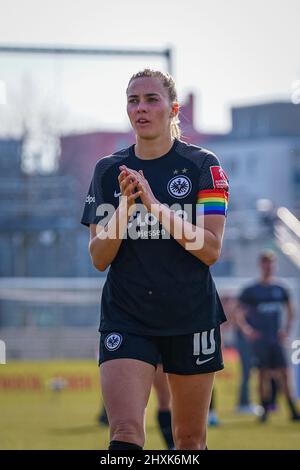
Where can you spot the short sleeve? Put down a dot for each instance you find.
(286, 294)
(94, 197)
(213, 191)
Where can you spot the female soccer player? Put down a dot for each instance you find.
(156, 213)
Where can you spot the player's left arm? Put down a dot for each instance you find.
(203, 240)
(214, 226)
(290, 315)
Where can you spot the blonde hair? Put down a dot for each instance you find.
(168, 82)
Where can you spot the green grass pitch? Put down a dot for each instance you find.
(33, 416)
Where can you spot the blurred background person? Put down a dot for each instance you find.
(247, 361)
(244, 349)
(260, 320)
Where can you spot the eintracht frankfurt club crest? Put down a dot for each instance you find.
(179, 186)
(113, 341)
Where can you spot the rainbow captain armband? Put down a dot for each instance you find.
(213, 201)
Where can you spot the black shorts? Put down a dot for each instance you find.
(269, 355)
(195, 353)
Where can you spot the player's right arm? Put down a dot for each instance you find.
(240, 318)
(243, 325)
(105, 240)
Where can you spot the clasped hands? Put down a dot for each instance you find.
(133, 184)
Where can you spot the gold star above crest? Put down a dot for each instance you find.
(175, 172)
(184, 170)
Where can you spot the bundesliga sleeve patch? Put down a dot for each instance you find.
(212, 201)
(219, 178)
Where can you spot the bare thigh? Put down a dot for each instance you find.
(162, 389)
(190, 400)
(126, 386)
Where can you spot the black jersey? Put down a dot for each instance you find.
(154, 286)
(264, 305)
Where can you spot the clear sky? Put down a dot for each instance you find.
(227, 52)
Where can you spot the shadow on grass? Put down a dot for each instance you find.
(91, 429)
(246, 425)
